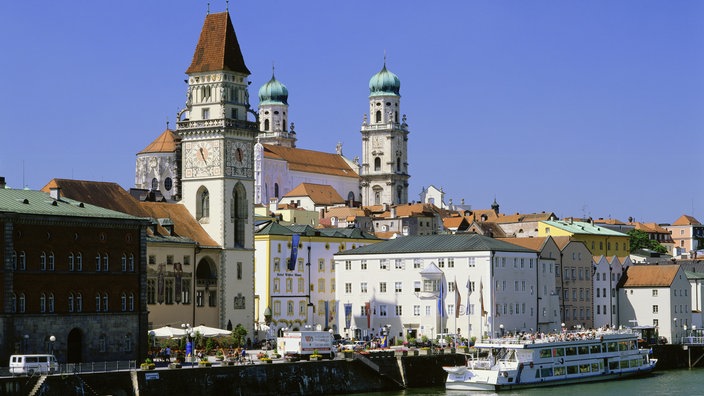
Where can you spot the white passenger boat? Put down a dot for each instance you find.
(547, 360)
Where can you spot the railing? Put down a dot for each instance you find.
(219, 122)
(96, 367)
(692, 340)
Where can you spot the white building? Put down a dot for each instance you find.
(283, 291)
(416, 284)
(657, 295)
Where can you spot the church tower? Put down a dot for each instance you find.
(384, 171)
(217, 182)
(273, 115)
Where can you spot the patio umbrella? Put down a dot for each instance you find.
(167, 332)
(206, 331)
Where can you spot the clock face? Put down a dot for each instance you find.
(239, 156)
(202, 159)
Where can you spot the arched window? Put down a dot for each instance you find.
(398, 164)
(396, 116)
(42, 303)
(123, 302)
(131, 262)
(106, 262)
(131, 302)
(203, 205)
(239, 213)
(378, 116)
(14, 303)
(71, 306)
(283, 127)
(377, 197)
(42, 262)
(105, 302)
(79, 262)
(276, 190)
(155, 184)
(350, 197)
(51, 261)
(52, 302)
(79, 302)
(266, 124)
(98, 302)
(23, 303)
(399, 195)
(123, 263)
(377, 164)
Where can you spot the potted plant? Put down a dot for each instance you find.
(204, 362)
(219, 355)
(316, 355)
(147, 365)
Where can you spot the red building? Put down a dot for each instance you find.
(73, 279)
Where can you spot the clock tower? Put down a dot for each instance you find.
(384, 171)
(217, 180)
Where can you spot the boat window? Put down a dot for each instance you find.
(611, 346)
(546, 372)
(571, 351)
(623, 346)
(558, 352)
(545, 353)
(613, 365)
(571, 370)
(583, 350)
(624, 363)
(595, 367)
(585, 368)
(595, 348)
(558, 371)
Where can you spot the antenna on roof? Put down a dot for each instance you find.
(167, 122)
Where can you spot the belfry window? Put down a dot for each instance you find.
(266, 125)
(377, 164)
(239, 213)
(378, 116)
(203, 205)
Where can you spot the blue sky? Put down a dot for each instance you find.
(583, 108)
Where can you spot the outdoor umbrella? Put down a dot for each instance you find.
(167, 332)
(206, 331)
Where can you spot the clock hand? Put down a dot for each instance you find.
(202, 156)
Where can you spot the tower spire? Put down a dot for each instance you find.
(208, 12)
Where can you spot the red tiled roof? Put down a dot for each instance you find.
(686, 220)
(218, 48)
(650, 275)
(104, 194)
(165, 143)
(311, 161)
(320, 194)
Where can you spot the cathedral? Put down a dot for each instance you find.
(167, 165)
(224, 158)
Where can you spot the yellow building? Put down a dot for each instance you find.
(599, 240)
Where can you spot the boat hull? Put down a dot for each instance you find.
(481, 383)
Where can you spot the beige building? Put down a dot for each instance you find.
(686, 233)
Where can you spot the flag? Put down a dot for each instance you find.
(458, 300)
(469, 293)
(441, 299)
(481, 297)
(294, 252)
(368, 307)
(348, 315)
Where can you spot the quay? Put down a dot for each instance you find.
(350, 372)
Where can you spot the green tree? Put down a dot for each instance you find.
(640, 240)
(239, 334)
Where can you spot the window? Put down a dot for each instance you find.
(384, 264)
(348, 288)
(52, 302)
(51, 262)
(441, 263)
(106, 264)
(203, 206)
(123, 263)
(398, 287)
(98, 301)
(417, 263)
(363, 287)
(321, 265)
(97, 262)
(348, 265)
(382, 287)
(398, 264)
(206, 113)
(301, 286)
(277, 264)
(363, 264)
(200, 298)
(71, 259)
(239, 213)
(289, 285)
(655, 309)
(382, 310)
(151, 291)
(239, 270)
(212, 298)
(321, 285)
(169, 291)
(185, 292)
(42, 303)
(399, 310)
(106, 306)
(23, 261)
(123, 302)
(377, 164)
(42, 262)
(416, 310)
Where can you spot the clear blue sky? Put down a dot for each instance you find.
(589, 108)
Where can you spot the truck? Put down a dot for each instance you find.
(300, 345)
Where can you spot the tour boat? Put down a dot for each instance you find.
(553, 359)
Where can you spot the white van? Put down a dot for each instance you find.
(30, 364)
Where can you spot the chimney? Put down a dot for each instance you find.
(55, 193)
(272, 205)
(2, 182)
(393, 212)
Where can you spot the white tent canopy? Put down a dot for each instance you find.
(206, 331)
(167, 332)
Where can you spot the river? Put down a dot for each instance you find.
(670, 382)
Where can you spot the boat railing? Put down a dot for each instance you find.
(572, 335)
(692, 340)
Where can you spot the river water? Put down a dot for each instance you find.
(670, 382)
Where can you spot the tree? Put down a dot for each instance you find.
(641, 240)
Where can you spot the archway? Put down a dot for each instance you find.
(74, 346)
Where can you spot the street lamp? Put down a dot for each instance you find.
(501, 329)
(52, 339)
(26, 343)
